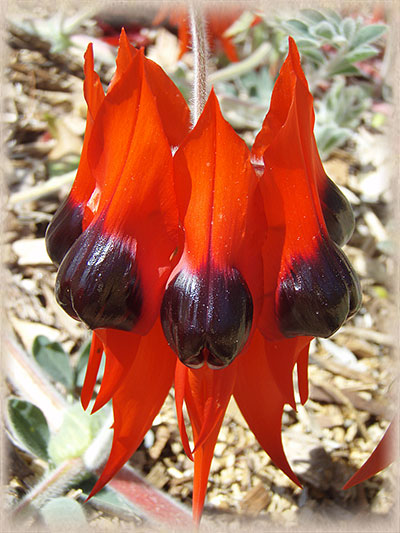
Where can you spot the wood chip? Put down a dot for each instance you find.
(255, 500)
(31, 252)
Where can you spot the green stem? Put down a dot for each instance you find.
(235, 70)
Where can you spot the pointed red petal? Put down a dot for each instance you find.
(202, 464)
(385, 453)
(96, 352)
(281, 357)
(134, 231)
(302, 374)
(261, 402)
(92, 88)
(289, 85)
(215, 185)
(180, 391)
(173, 109)
(221, 265)
(207, 394)
(314, 289)
(71, 217)
(138, 399)
(121, 349)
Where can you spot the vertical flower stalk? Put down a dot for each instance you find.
(200, 56)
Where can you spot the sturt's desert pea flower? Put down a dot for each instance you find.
(197, 262)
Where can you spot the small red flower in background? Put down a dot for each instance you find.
(219, 20)
(197, 262)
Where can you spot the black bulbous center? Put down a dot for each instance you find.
(207, 316)
(98, 283)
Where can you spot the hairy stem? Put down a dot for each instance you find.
(200, 53)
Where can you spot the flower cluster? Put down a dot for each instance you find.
(198, 262)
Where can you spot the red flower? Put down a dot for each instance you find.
(218, 22)
(200, 269)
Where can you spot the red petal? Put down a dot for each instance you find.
(92, 88)
(218, 199)
(221, 267)
(130, 156)
(180, 392)
(70, 218)
(121, 350)
(385, 453)
(207, 394)
(261, 402)
(96, 352)
(310, 288)
(281, 357)
(302, 374)
(172, 107)
(138, 399)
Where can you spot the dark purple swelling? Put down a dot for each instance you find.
(316, 294)
(207, 315)
(97, 281)
(338, 214)
(63, 230)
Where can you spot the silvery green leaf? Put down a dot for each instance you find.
(360, 53)
(75, 434)
(313, 54)
(309, 43)
(348, 27)
(367, 34)
(330, 137)
(343, 67)
(63, 514)
(333, 16)
(242, 24)
(29, 426)
(298, 26)
(312, 15)
(52, 358)
(324, 29)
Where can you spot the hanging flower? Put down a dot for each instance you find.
(210, 269)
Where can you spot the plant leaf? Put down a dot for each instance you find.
(324, 29)
(75, 434)
(360, 53)
(63, 513)
(29, 426)
(52, 358)
(367, 34)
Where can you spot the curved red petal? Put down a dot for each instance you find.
(207, 394)
(69, 220)
(202, 464)
(313, 289)
(221, 267)
(290, 85)
(180, 392)
(120, 348)
(281, 357)
(261, 402)
(92, 88)
(302, 374)
(384, 454)
(95, 354)
(133, 236)
(138, 399)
